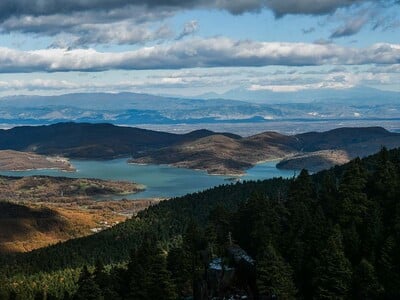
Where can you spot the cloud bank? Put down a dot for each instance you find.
(193, 53)
(16, 8)
(291, 80)
(133, 21)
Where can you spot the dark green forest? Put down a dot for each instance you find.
(330, 235)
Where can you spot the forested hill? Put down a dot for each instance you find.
(217, 153)
(91, 141)
(332, 235)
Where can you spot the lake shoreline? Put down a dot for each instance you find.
(161, 181)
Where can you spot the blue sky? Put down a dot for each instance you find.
(194, 47)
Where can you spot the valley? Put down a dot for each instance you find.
(199, 150)
(42, 204)
(198, 223)
(92, 198)
(99, 191)
(214, 152)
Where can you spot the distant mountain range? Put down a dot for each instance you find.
(217, 153)
(136, 109)
(355, 95)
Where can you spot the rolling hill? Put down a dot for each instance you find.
(90, 141)
(314, 150)
(11, 160)
(25, 226)
(217, 153)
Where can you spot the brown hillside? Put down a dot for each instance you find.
(11, 160)
(315, 161)
(315, 150)
(218, 154)
(26, 226)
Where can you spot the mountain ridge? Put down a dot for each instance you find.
(233, 157)
(134, 108)
(217, 153)
(358, 94)
(86, 140)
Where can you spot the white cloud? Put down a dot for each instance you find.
(342, 80)
(311, 7)
(119, 33)
(86, 20)
(213, 52)
(130, 25)
(38, 84)
(296, 87)
(351, 27)
(188, 29)
(15, 8)
(197, 79)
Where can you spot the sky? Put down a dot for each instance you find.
(193, 47)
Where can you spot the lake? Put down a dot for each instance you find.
(160, 180)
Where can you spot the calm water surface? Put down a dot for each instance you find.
(160, 180)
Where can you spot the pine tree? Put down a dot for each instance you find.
(3, 292)
(87, 287)
(178, 264)
(263, 218)
(160, 283)
(387, 269)
(353, 199)
(303, 235)
(354, 206)
(218, 229)
(138, 271)
(371, 233)
(105, 281)
(12, 295)
(99, 275)
(383, 187)
(274, 275)
(333, 274)
(193, 243)
(302, 190)
(366, 285)
(328, 195)
(40, 295)
(138, 284)
(67, 296)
